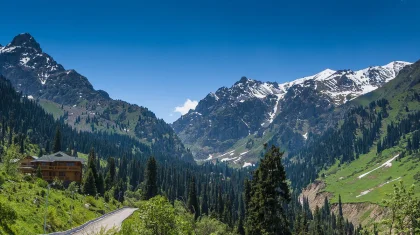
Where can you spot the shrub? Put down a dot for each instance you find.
(57, 183)
(7, 214)
(107, 197)
(52, 219)
(28, 178)
(41, 183)
(2, 179)
(91, 200)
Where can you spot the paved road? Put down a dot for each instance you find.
(107, 223)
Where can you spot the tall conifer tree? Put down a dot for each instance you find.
(269, 191)
(150, 187)
(192, 202)
(57, 140)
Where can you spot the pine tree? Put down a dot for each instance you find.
(150, 187)
(92, 167)
(39, 172)
(134, 178)
(57, 140)
(22, 144)
(269, 191)
(240, 230)
(340, 219)
(204, 203)
(119, 191)
(108, 181)
(47, 147)
(192, 202)
(340, 206)
(89, 186)
(326, 209)
(110, 175)
(247, 195)
(100, 185)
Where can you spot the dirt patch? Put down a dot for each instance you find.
(358, 213)
(362, 213)
(314, 194)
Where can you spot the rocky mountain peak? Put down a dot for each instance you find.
(243, 80)
(25, 40)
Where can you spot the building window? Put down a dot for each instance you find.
(61, 173)
(70, 164)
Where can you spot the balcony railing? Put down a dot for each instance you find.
(59, 168)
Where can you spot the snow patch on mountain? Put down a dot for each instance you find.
(247, 164)
(273, 114)
(24, 60)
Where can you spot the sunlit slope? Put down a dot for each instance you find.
(370, 177)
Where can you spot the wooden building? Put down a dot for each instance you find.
(58, 165)
(26, 165)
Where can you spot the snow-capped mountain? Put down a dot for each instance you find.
(38, 75)
(71, 96)
(250, 108)
(344, 85)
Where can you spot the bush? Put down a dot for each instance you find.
(53, 219)
(41, 183)
(208, 226)
(7, 214)
(107, 196)
(28, 178)
(91, 200)
(2, 180)
(57, 184)
(158, 216)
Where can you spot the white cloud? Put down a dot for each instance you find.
(189, 104)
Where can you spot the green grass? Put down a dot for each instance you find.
(52, 108)
(344, 179)
(28, 200)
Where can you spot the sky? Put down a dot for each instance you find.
(168, 55)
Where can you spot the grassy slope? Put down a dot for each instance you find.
(26, 199)
(52, 108)
(399, 93)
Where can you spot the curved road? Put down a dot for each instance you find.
(107, 223)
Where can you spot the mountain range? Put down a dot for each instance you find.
(233, 123)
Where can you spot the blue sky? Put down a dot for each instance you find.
(160, 53)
